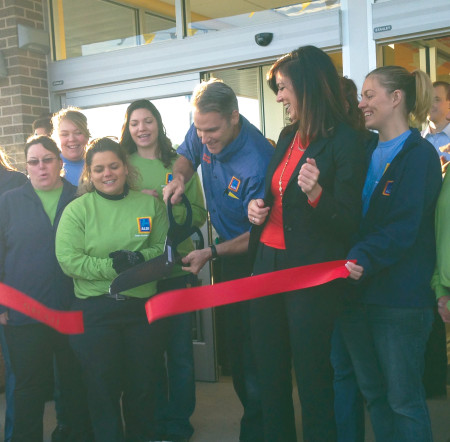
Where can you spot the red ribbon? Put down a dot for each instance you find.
(187, 300)
(69, 323)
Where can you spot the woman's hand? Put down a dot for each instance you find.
(125, 259)
(355, 270)
(151, 192)
(308, 179)
(4, 318)
(442, 308)
(257, 213)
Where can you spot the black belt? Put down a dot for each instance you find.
(119, 297)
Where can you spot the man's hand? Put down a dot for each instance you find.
(442, 308)
(174, 190)
(444, 164)
(4, 318)
(355, 270)
(151, 192)
(194, 261)
(445, 148)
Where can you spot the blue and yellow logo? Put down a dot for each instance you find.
(169, 178)
(144, 225)
(388, 188)
(234, 184)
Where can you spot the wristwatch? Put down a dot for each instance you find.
(214, 253)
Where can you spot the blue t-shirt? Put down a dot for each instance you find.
(73, 170)
(382, 157)
(232, 178)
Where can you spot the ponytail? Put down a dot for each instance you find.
(424, 97)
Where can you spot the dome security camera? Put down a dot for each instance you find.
(263, 38)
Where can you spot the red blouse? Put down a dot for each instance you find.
(273, 233)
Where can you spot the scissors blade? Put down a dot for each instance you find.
(149, 271)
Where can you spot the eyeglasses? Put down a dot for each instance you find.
(47, 160)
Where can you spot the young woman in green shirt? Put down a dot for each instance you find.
(107, 230)
(151, 152)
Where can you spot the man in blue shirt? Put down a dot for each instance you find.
(438, 130)
(233, 155)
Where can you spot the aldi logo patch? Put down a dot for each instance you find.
(169, 178)
(206, 158)
(144, 225)
(388, 188)
(234, 184)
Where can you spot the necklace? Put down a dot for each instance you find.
(298, 142)
(291, 147)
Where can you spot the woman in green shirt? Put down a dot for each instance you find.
(107, 230)
(151, 152)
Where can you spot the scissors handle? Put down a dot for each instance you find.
(177, 233)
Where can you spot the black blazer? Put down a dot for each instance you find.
(324, 233)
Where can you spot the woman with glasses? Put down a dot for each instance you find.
(29, 216)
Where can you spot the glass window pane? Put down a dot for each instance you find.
(211, 15)
(110, 25)
(158, 28)
(175, 112)
(244, 83)
(432, 55)
(86, 27)
(442, 59)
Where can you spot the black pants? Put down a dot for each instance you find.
(240, 352)
(176, 385)
(435, 374)
(32, 348)
(120, 354)
(295, 326)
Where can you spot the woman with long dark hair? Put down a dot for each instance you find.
(309, 213)
(151, 153)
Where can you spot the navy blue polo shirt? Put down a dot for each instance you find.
(232, 178)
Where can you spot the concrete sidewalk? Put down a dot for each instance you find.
(218, 412)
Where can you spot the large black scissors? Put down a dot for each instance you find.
(161, 266)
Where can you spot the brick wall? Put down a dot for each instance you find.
(24, 92)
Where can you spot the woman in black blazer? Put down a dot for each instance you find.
(311, 209)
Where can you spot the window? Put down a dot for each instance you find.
(432, 55)
(211, 15)
(86, 27)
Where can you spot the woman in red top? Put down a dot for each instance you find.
(310, 210)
